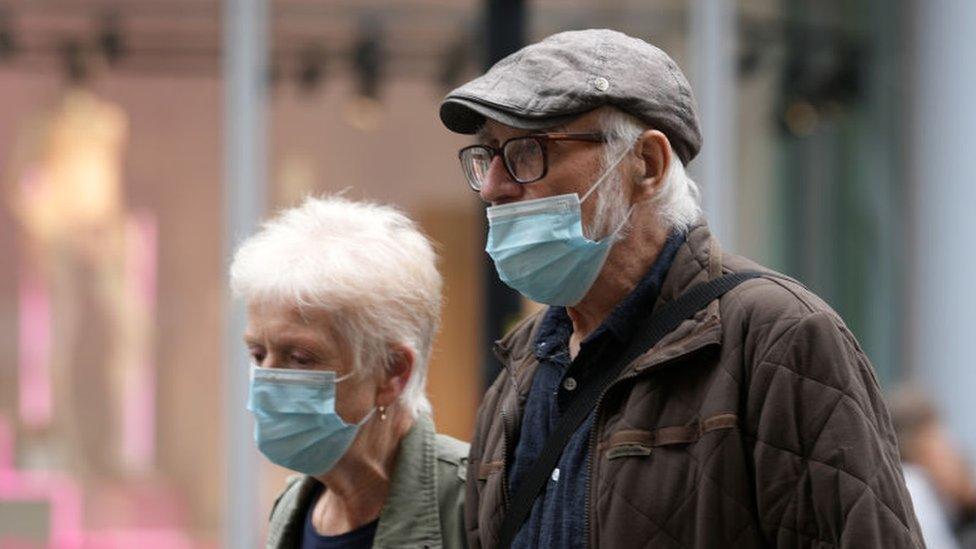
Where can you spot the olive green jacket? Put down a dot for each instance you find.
(425, 507)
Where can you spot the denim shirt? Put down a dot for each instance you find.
(558, 517)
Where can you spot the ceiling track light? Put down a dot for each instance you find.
(110, 41)
(454, 63)
(75, 61)
(8, 40)
(311, 67)
(368, 57)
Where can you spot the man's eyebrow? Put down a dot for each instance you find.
(482, 135)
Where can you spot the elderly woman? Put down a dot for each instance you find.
(343, 299)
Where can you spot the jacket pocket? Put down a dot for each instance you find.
(488, 468)
(640, 443)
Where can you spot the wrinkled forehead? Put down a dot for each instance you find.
(280, 316)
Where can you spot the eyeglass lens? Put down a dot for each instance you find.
(524, 159)
(475, 161)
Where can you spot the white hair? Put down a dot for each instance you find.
(676, 203)
(367, 265)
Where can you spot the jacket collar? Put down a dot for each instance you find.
(699, 259)
(516, 351)
(410, 515)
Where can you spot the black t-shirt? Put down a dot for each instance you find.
(360, 538)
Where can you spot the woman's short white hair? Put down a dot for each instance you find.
(677, 203)
(367, 265)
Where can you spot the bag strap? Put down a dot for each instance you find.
(652, 329)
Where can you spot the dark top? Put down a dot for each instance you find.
(558, 518)
(360, 538)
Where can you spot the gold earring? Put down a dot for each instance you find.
(382, 413)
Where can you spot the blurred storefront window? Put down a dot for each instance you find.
(109, 299)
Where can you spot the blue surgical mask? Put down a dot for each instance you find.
(539, 249)
(296, 425)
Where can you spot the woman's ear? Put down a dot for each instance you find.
(653, 149)
(395, 376)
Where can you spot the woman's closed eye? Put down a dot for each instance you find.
(301, 359)
(257, 355)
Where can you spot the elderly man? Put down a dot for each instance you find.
(672, 395)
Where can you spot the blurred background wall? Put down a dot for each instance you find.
(838, 134)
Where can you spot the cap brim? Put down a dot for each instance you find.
(466, 116)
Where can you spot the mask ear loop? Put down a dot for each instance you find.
(367, 417)
(345, 377)
(381, 409)
(600, 181)
(604, 176)
(624, 222)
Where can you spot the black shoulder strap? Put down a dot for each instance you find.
(653, 329)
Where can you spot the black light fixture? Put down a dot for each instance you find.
(311, 67)
(110, 41)
(363, 110)
(8, 42)
(821, 80)
(368, 58)
(75, 61)
(750, 54)
(457, 58)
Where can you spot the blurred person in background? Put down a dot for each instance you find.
(938, 476)
(755, 421)
(343, 301)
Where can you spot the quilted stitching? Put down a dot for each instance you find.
(784, 355)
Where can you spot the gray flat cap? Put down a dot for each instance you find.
(553, 81)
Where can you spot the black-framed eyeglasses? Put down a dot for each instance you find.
(525, 158)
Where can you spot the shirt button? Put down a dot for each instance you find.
(569, 384)
(555, 474)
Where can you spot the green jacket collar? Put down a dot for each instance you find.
(410, 515)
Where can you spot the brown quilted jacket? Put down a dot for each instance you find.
(757, 423)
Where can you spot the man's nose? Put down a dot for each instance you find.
(498, 186)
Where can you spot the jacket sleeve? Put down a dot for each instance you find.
(826, 465)
(471, 505)
(452, 459)
(472, 496)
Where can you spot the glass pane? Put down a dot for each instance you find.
(108, 422)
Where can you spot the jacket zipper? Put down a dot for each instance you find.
(590, 467)
(590, 470)
(505, 445)
(506, 434)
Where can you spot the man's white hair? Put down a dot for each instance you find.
(677, 202)
(367, 265)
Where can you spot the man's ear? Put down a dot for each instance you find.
(395, 376)
(653, 149)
